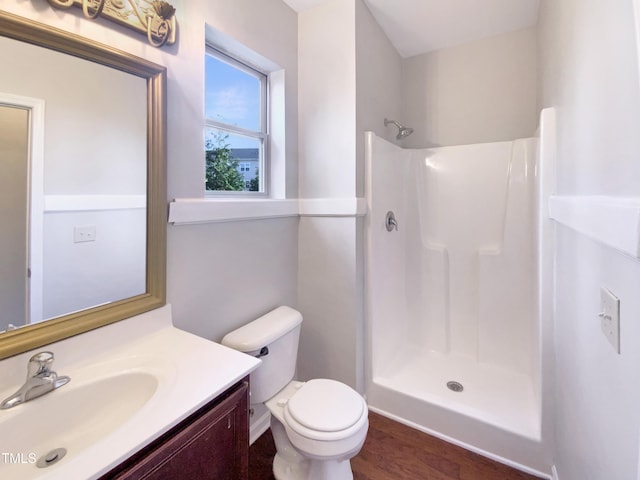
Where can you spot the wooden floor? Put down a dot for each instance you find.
(394, 451)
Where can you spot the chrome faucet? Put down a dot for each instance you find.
(40, 380)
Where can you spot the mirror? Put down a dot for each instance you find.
(90, 228)
(84, 193)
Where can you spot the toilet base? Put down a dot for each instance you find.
(311, 469)
(290, 464)
(283, 470)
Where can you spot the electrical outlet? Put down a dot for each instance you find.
(610, 317)
(85, 233)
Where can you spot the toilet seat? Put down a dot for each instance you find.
(325, 410)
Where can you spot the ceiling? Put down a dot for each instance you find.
(420, 26)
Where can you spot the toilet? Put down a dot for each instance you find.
(318, 425)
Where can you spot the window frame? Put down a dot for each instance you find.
(261, 135)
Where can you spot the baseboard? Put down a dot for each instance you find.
(259, 425)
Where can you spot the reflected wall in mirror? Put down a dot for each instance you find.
(83, 149)
(85, 198)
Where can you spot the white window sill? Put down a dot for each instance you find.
(612, 221)
(185, 211)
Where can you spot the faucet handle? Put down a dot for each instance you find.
(40, 364)
(390, 221)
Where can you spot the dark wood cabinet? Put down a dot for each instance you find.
(212, 444)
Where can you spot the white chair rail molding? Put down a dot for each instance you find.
(612, 221)
(185, 211)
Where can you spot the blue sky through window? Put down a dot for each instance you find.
(232, 97)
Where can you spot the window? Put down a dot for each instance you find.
(236, 125)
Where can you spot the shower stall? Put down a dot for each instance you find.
(452, 271)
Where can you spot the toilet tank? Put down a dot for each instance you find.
(279, 332)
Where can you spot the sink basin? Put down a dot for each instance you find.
(72, 417)
(131, 382)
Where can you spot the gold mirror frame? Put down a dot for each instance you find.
(37, 335)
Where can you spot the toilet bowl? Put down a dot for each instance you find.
(325, 422)
(318, 425)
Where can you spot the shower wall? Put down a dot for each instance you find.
(468, 216)
(461, 266)
(452, 293)
(448, 93)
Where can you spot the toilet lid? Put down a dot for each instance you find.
(326, 406)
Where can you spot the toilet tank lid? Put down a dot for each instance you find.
(264, 330)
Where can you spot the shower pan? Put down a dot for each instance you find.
(452, 304)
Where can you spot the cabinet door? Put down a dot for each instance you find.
(212, 447)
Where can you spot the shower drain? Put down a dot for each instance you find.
(455, 386)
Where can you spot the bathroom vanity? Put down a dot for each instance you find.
(144, 400)
(211, 444)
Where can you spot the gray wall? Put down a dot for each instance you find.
(341, 96)
(483, 91)
(224, 274)
(589, 72)
(378, 85)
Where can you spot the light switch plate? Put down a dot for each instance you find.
(610, 317)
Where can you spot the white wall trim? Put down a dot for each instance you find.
(77, 203)
(612, 221)
(185, 211)
(332, 207)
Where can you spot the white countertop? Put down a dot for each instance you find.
(190, 370)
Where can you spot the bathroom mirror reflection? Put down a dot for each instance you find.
(82, 184)
(85, 197)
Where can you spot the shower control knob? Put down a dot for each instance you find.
(390, 221)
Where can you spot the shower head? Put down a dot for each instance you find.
(403, 132)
